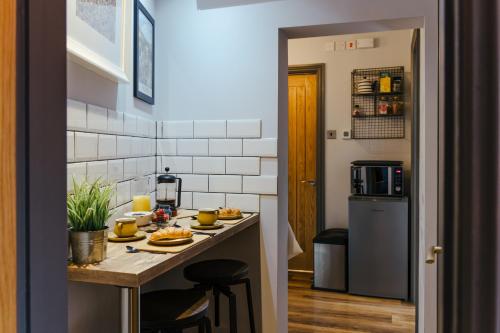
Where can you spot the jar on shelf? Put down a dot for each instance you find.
(397, 106)
(383, 106)
(356, 111)
(397, 84)
(385, 82)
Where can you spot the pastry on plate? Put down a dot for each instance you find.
(171, 233)
(224, 212)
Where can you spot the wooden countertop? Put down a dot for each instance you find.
(135, 269)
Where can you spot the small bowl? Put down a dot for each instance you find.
(142, 218)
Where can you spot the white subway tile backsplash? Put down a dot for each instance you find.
(97, 118)
(194, 183)
(245, 202)
(129, 124)
(209, 165)
(178, 129)
(115, 170)
(70, 146)
(269, 166)
(129, 168)
(260, 184)
(142, 126)
(243, 165)
(85, 146)
(209, 128)
(77, 115)
(208, 200)
(159, 169)
(192, 147)
(97, 170)
(115, 122)
(178, 164)
(136, 144)
(187, 200)
(260, 147)
(231, 184)
(123, 193)
(143, 166)
(159, 129)
(245, 128)
(167, 147)
(151, 128)
(123, 146)
(225, 147)
(107, 146)
(76, 171)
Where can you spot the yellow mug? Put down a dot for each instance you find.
(125, 227)
(208, 216)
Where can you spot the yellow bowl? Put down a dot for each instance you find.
(207, 216)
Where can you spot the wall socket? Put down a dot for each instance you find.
(331, 134)
(346, 134)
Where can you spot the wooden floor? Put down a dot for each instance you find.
(323, 311)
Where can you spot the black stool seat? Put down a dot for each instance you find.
(219, 275)
(174, 309)
(219, 271)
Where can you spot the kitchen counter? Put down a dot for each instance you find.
(130, 271)
(135, 269)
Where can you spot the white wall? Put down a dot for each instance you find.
(224, 64)
(392, 49)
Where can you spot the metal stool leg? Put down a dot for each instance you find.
(201, 326)
(233, 322)
(250, 305)
(208, 325)
(216, 293)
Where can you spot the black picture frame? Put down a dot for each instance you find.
(149, 98)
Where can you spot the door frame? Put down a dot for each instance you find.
(42, 304)
(318, 70)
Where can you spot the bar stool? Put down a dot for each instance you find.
(219, 275)
(169, 311)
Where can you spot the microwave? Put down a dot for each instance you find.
(377, 178)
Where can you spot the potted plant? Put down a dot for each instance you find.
(88, 211)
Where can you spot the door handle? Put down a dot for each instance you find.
(310, 182)
(431, 257)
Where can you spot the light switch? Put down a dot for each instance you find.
(365, 43)
(339, 45)
(329, 46)
(351, 45)
(331, 134)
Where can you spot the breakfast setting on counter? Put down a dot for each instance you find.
(158, 228)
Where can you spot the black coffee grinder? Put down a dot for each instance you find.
(168, 193)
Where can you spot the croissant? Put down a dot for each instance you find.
(229, 212)
(171, 233)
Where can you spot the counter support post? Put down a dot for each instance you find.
(130, 309)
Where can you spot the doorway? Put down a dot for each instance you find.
(324, 141)
(305, 156)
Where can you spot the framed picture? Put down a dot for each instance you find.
(96, 35)
(144, 54)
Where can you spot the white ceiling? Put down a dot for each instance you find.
(208, 4)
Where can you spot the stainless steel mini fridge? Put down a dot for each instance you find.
(378, 246)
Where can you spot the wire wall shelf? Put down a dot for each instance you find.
(377, 103)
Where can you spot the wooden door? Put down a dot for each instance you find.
(302, 159)
(8, 165)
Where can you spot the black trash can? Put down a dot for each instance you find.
(330, 260)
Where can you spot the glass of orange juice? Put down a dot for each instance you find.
(141, 201)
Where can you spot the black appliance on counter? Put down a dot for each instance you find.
(377, 178)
